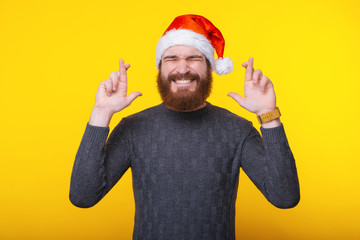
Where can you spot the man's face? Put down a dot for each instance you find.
(184, 79)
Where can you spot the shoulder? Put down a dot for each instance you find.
(230, 122)
(226, 115)
(146, 113)
(137, 120)
(145, 116)
(232, 125)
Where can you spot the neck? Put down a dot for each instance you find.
(190, 110)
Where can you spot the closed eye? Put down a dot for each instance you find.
(173, 58)
(195, 58)
(170, 58)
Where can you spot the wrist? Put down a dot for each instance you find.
(271, 124)
(264, 111)
(269, 118)
(100, 117)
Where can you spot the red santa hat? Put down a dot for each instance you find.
(197, 32)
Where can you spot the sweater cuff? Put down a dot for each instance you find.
(93, 133)
(273, 135)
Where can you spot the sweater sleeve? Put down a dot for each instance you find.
(270, 165)
(99, 164)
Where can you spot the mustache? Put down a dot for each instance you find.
(188, 75)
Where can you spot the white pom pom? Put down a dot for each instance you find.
(223, 66)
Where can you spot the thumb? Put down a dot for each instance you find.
(239, 99)
(132, 96)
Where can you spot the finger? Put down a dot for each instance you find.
(132, 96)
(122, 71)
(114, 77)
(257, 75)
(102, 85)
(249, 70)
(127, 66)
(239, 99)
(245, 64)
(263, 82)
(108, 87)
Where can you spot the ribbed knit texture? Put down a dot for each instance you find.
(185, 169)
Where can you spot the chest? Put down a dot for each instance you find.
(184, 149)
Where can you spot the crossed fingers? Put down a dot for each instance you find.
(255, 76)
(117, 80)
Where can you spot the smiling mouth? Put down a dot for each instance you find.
(183, 81)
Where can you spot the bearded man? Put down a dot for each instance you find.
(185, 154)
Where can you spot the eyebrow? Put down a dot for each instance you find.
(170, 57)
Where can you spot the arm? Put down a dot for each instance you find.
(270, 165)
(99, 164)
(268, 162)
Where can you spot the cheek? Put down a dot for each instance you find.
(200, 68)
(166, 69)
(163, 76)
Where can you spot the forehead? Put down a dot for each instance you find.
(181, 51)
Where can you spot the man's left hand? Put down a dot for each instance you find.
(259, 95)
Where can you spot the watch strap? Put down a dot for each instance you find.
(267, 117)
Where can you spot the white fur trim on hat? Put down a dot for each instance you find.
(187, 38)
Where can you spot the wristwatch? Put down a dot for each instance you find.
(267, 117)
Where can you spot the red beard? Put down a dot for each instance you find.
(185, 100)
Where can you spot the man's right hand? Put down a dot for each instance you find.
(111, 97)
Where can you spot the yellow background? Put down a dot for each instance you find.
(53, 55)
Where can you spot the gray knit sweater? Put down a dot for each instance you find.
(185, 169)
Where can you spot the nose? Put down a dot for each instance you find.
(182, 66)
